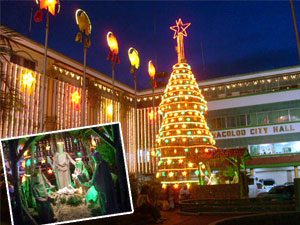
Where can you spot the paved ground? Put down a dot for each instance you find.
(173, 218)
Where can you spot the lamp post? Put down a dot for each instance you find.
(85, 28)
(49, 5)
(152, 72)
(113, 56)
(295, 27)
(135, 63)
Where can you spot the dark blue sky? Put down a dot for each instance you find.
(237, 37)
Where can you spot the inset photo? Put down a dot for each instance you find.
(63, 176)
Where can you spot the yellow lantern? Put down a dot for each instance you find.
(83, 21)
(134, 58)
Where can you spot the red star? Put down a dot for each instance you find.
(180, 28)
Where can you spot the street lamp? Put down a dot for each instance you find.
(50, 6)
(152, 72)
(113, 56)
(135, 63)
(85, 28)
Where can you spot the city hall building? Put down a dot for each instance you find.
(260, 111)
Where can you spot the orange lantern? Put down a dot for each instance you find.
(152, 71)
(114, 47)
(49, 5)
(112, 43)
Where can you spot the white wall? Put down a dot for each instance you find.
(280, 175)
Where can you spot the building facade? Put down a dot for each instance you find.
(260, 111)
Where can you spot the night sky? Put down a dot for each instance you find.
(236, 37)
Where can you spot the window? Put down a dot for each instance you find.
(251, 119)
(259, 185)
(278, 116)
(241, 120)
(295, 114)
(275, 148)
(19, 60)
(231, 121)
(262, 118)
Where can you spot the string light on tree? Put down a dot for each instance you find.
(184, 138)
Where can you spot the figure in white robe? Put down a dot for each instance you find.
(61, 165)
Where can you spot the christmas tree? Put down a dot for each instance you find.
(184, 139)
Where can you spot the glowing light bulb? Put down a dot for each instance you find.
(157, 175)
(184, 173)
(164, 186)
(176, 186)
(171, 174)
(190, 164)
(169, 161)
(180, 161)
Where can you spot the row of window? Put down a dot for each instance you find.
(252, 119)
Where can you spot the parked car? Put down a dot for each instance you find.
(278, 192)
(259, 186)
(267, 184)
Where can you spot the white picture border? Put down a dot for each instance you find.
(66, 130)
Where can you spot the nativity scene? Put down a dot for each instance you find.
(67, 176)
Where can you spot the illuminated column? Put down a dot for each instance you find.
(92, 115)
(50, 118)
(296, 171)
(135, 64)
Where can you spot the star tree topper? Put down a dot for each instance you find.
(180, 32)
